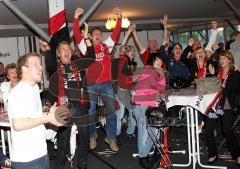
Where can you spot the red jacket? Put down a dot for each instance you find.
(125, 80)
(149, 83)
(99, 71)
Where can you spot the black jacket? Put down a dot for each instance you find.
(232, 88)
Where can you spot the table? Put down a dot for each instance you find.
(5, 124)
(188, 97)
(50, 134)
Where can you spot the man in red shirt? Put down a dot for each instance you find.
(99, 78)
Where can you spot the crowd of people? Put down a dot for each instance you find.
(77, 82)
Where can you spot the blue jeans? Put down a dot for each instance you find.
(144, 141)
(120, 113)
(2, 156)
(40, 163)
(124, 99)
(105, 90)
(131, 122)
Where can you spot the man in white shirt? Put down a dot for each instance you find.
(29, 148)
(235, 48)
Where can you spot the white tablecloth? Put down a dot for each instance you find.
(189, 97)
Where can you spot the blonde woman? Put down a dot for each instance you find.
(230, 79)
(6, 87)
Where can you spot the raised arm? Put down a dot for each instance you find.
(164, 52)
(188, 49)
(164, 21)
(110, 41)
(76, 31)
(90, 48)
(131, 29)
(83, 63)
(85, 35)
(138, 42)
(49, 57)
(116, 32)
(144, 53)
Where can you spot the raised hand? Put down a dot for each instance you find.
(211, 69)
(215, 46)
(164, 21)
(117, 11)
(165, 41)
(79, 11)
(85, 30)
(43, 44)
(132, 28)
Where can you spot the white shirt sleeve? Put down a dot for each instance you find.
(4, 91)
(110, 43)
(212, 39)
(82, 47)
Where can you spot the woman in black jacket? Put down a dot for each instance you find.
(230, 79)
(199, 65)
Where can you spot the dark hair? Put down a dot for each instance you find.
(10, 66)
(177, 43)
(152, 58)
(22, 61)
(1, 63)
(95, 28)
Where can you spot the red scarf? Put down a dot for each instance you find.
(201, 71)
(223, 80)
(62, 80)
(220, 75)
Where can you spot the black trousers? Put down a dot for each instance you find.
(227, 121)
(63, 137)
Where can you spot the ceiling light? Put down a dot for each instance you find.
(125, 22)
(108, 25)
(111, 23)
